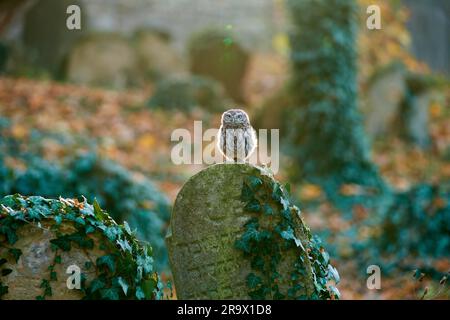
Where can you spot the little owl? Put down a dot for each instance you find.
(237, 138)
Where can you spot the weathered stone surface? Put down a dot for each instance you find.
(46, 38)
(156, 57)
(106, 60)
(383, 100)
(25, 280)
(415, 122)
(207, 218)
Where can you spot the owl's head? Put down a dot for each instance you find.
(235, 118)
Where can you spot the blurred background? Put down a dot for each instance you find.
(364, 116)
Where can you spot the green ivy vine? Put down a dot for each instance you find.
(274, 231)
(124, 272)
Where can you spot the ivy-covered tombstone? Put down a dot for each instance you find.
(235, 234)
(70, 249)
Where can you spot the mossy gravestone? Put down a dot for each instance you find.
(103, 59)
(216, 54)
(235, 235)
(45, 244)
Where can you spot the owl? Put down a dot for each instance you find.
(237, 138)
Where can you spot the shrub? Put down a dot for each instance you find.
(418, 223)
(131, 199)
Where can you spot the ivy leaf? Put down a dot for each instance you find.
(267, 209)
(3, 290)
(253, 206)
(288, 234)
(62, 242)
(285, 203)
(246, 193)
(254, 182)
(89, 229)
(110, 294)
(58, 219)
(58, 259)
(335, 292)
(108, 261)
(98, 212)
(123, 284)
(140, 295)
(11, 236)
(287, 186)
(277, 193)
(127, 228)
(80, 221)
(334, 274)
(6, 271)
(148, 286)
(253, 281)
(111, 233)
(96, 285)
(53, 276)
(124, 245)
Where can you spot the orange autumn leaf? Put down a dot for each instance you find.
(351, 190)
(146, 141)
(310, 192)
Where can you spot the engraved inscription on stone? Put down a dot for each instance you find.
(207, 219)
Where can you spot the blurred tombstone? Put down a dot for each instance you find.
(385, 93)
(103, 59)
(45, 34)
(416, 126)
(216, 54)
(157, 59)
(188, 92)
(208, 217)
(429, 26)
(413, 118)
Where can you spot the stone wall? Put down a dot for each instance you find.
(252, 20)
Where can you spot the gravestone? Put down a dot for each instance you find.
(217, 54)
(157, 58)
(46, 38)
(207, 219)
(103, 59)
(386, 91)
(25, 281)
(64, 249)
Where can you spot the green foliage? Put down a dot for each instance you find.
(326, 133)
(217, 54)
(272, 234)
(127, 198)
(124, 272)
(187, 93)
